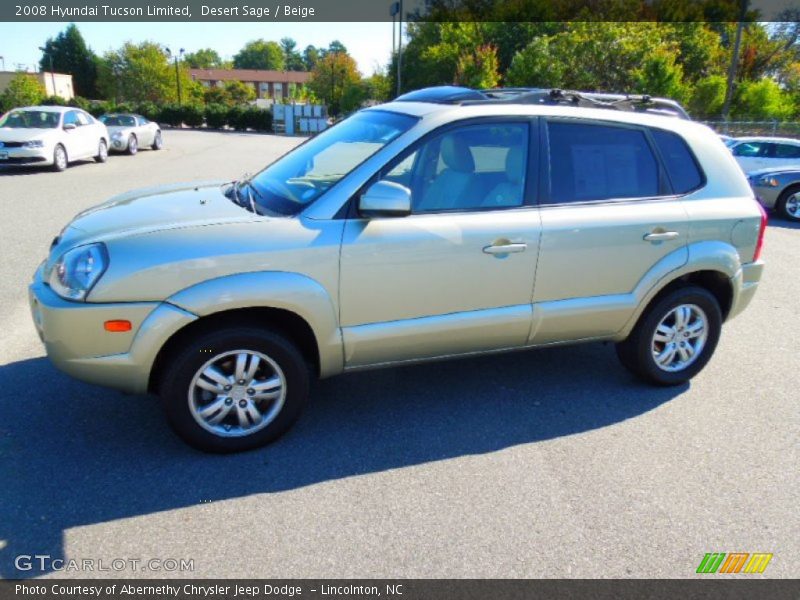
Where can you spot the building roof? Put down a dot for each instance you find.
(254, 75)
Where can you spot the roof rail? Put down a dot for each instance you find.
(467, 96)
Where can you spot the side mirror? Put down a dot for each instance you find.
(69, 126)
(385, 199)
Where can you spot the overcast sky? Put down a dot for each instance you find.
(369, 43)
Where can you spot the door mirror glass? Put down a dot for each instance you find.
(69, 126)
(385, 199)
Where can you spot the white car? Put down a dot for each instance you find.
(131, 132)
(755, 153)
(51, 136)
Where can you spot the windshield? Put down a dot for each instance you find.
(118, 120)
(300, 177)
(30, 119)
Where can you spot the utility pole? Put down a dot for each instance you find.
(394, 9)
(734, 61)
(177, 72)
(400, 48)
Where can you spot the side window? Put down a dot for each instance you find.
(599, 162)
(683, 172)
(142, 120)
(787, 151)
(748, 149)
(82, 118)
(472, 167)
(71, 117)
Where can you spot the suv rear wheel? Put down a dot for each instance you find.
(675, 338)
(234, 389)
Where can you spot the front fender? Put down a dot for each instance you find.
(293, 292)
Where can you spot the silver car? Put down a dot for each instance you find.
(778, 189)
(131, 132)
(51, 136)
(411, 231)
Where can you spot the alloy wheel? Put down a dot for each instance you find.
(679, 338)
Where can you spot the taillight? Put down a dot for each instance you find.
(762, 229)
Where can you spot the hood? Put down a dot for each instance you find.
(13, 134)
(154, 209)
(774, 171)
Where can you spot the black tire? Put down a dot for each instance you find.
(59, 165)
(158, 141)
(133, 145)
(102, 151)
(636, 354)
(182, 365)
(782, 201)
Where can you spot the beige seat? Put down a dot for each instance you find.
(451, 187)
(511, 191)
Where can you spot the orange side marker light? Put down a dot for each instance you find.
(117, 326)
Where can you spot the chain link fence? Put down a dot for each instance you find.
(790, 129)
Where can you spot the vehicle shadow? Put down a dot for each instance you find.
(6, 170)
(781, 223)
(73, 454)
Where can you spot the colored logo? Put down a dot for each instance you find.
(734, 562)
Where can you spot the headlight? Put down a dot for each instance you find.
(77, 270)
(767, 181)
(34, 144)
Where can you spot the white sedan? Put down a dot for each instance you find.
(754, 153)
(51, 136)
(131, 132)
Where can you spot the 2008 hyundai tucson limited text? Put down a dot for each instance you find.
(443, 224)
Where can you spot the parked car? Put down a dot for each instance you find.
(778, 189)
(753, 153)
(131, 132)
(411, 231)
(51, 136)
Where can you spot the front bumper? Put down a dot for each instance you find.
(26, 156)
(77, 343)
(745, 284)
(119, 145)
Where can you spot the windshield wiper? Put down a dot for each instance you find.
(236, 196)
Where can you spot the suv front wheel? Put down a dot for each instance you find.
(675, 337)
(234, 389)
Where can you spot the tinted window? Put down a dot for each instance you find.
(681, 168)
(472, 167)
(71, 118)
(749, 149)
(599, 162)
(787, 151)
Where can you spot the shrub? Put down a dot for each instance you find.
(216, 116)
(80, 102)
(99, 108)
(243, 118)
(122, 107)
(236, 118)
(192, 115)
(171, 114)
(148, 110)
(53, 101)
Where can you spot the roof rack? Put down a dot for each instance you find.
(467, 96)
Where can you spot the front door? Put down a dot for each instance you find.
(456, 276)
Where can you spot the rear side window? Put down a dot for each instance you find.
(683, 172)
(599, 162)
(787, 151)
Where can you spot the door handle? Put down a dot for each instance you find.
(661, 236)
(505, 248)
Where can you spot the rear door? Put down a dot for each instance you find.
(608, 217)
(784, 155)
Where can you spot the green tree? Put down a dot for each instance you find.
(23, 90)
(708, 96)
(332, 80)
(762, 99)
(260, 54)
(216, 95)
(143, 72)
(239, 92)
(310, 57)
(477, 67)
(660, 75)
(291, 57)
(205, 58)
(71, 55)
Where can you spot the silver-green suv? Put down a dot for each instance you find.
(422, 229)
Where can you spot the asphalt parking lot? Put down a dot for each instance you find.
(550, 463)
